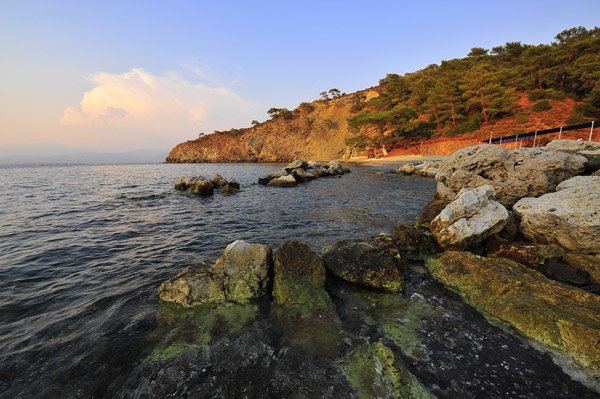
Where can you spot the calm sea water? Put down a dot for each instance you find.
(83, 249)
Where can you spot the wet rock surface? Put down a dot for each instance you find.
(373, 263)
(241, 274)
(560, 316)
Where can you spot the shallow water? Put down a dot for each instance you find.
(83, 249)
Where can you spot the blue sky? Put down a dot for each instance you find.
(142, 74)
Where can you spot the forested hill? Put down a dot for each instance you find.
(515, 86)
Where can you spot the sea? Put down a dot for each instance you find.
(83, 249)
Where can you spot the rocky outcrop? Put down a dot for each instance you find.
(526, 172)
(406, 169)
(196, 185)
(413, 243)
(299, 280)
(560, 316)
(374, 372)
(300, 171)
(425, 169)
(588, 149)
(373, 263)
(470, 218)
(569, 217)
(202, 186)
(240, 275)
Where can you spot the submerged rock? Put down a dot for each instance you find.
(373, 263)
(241, 274)
(299, 279)
(569, 217)
(588, 149)
(560, 316)
(197, 185)
(470, 218)
(374, 372)
(526, 172)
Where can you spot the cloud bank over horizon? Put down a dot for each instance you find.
(141, 109)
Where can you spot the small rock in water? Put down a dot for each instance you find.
(284, 181)
(197, 185)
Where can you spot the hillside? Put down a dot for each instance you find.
(512, 88)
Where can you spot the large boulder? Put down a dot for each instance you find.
(563, 317)
(569, 217)
(588, 149)
(431, 210)
(283, 181)
(270, 176)
(196, 185)
(469, 219)
(526, 172)
(373, 263)
(299, 280)
(218, 181)
(240, 275)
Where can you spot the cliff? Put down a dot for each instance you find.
(318, 130)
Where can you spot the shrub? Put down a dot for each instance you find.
(330, 123)
(541, 106)
(587, 109)
(576, 119)
(522, 118)
(307, 107)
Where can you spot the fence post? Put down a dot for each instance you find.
(534, 138)
(591, 131)
(491, 137)
(500, 140)
(517, 140)
(560, 133)
(421, 150)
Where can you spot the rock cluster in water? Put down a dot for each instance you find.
(300, 171)
(202, 186)
(425, 169)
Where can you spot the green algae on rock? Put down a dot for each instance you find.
(560, 316)
(374, 372)
(299, 279)
(183, 330)
(240, 275)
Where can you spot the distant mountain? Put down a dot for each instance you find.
(48, 153)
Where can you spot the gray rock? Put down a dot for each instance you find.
(587, 149)
(197, 185)
(525, 172)
(300, 175)
(470, 218)
(240, 275)
(406, 169)
(294, 165)
(270, 176)
(283, 181)
(569, 217)
(218, 181)
(234, 184)
(373, 263)
(313, 165)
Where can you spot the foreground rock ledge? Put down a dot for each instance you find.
(560, 316)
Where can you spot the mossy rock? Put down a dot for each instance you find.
(398, 318)
(374, 372)
(185, 330)
(553, 313)
(299, 279)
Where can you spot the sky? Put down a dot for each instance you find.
(127, 75)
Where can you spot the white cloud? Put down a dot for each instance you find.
(138, 105)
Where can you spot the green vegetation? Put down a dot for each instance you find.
(542, 105)
(460, 95)
(280, 113)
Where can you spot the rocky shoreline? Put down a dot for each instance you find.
(514, 233)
